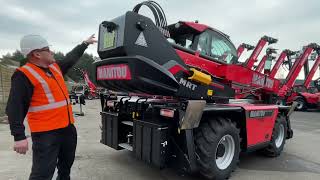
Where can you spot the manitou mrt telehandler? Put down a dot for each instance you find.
(243, 47)
(189, 119)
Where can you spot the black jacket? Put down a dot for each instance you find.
(22, 89)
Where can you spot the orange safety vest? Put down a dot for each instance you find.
(50, 106)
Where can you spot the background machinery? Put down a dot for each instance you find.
(88, 89)
(281, 59)
(266, 60)
(182, 112)
(261, 44)
(306, 96)
(287, 91)
(243, 47)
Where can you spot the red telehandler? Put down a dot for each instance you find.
(92, 91)
(302, 94)
(89, 89)
(190, 121)
(243, 47)
(287, 92)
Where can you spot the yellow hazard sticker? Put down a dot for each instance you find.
(210, 92)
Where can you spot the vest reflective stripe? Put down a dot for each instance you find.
(48, 106)
(55, 69)
(44, 84)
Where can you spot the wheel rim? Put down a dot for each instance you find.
(280, 137)
(300, 105)
(224, 159)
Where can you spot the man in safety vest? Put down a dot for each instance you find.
(39, 93)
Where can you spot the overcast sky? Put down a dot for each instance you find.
(66, 23)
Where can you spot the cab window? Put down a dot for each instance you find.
(222, 49)
(204, 44)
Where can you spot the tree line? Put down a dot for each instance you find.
(85, 63)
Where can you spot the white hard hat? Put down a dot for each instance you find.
(32, 42)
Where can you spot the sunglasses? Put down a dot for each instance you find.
(43, 49)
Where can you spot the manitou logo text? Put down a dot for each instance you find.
(188, 84)
(262, 80)
(260, 113)
(113, 72)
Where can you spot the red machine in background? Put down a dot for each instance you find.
(303, 94)
(92, 93)
(288, 84)
(89, 89)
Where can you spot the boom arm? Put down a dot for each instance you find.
(312, 72)
(262, 42)
(280, 60)
(264, 59)
(262, 63)
(297, 66)
(242, 47)
(88, 81)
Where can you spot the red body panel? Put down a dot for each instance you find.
(253, 58)
(259, 129)
(276, 67)
(248, 77)
(262, 63)
(243, 75)
(311, 98)
(312, 72)
(197, 26)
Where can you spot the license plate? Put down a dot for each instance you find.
(114, 72)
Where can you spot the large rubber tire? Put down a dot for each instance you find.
(302, 105)
(208, 136)
(278, 139)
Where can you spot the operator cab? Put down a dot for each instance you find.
(207, 41)
(317, 84)
(299, 89)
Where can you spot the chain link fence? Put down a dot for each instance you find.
(5, 84)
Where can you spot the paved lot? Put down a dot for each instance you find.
(300, 159)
